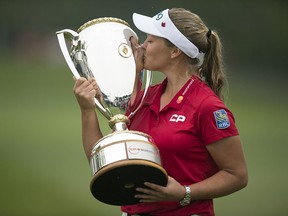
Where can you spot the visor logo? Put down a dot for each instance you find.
(159, 16)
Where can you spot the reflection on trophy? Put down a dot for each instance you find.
(124, 159)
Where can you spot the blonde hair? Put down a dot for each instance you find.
(208, 42)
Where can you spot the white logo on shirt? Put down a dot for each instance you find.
(177, 118)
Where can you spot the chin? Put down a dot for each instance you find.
(147, 67)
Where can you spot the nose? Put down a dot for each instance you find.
(144, 45)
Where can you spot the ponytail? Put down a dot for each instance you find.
(192, 26)
(211, 71)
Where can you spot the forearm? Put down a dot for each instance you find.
(221, 184)
(91, 132)
(232, 175)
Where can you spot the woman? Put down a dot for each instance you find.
(198, 141)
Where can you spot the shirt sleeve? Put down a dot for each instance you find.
(215, 121)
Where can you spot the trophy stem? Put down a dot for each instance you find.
(119, 122)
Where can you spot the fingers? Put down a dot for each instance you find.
(134, 44)
(138, 53)
(86, 88)
(134, 41)
(85, 92)
(94, 84)
(153, 192)
(98, 93)
(79, 82)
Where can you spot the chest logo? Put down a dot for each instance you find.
(222, 120)
(177, 118)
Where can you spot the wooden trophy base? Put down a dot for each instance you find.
(116, 183)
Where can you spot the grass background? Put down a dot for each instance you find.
(44, 171)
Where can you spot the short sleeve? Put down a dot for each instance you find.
(215, 121)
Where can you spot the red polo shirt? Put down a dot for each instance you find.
(194, 118)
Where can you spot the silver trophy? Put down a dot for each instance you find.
(124, 159)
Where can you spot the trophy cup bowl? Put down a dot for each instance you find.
(124, 159)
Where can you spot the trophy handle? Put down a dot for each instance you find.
(69, 34)
(148, 80)
(74, 36)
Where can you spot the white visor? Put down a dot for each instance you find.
(162, 26)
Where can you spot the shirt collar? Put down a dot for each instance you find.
(179, 98)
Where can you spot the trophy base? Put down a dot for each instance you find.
(116, 183)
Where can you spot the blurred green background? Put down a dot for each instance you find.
(43, 170)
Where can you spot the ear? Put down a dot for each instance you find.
(175, 52)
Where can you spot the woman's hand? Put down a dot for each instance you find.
(138, 53)
(155, 193)
(85, 92)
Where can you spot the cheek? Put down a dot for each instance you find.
(155, 57)
(154, 53)
(151, 52)
(151, 61)
(151, 56)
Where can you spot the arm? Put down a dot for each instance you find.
(232, 176)
(85, 92)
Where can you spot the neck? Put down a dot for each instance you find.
(174, 84)
(177, 75)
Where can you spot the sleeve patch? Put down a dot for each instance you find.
(222, 120)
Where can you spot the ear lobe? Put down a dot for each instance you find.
(175, 52)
